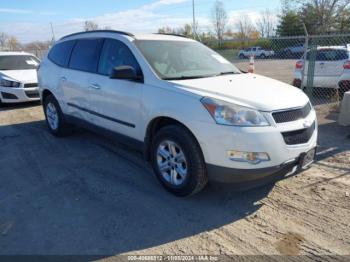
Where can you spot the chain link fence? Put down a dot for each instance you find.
(319, 65)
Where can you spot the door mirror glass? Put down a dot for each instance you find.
(126, 73)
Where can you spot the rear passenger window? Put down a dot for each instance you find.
(85, 55)
(330, 55)
(60, 53)
(115, 54)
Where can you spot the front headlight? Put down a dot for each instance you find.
(233, 115)
(7, 82)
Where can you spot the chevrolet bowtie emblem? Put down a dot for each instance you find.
(307, 124)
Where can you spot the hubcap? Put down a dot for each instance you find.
(52, 116)
(172, 163)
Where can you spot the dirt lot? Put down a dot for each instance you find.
(85, 194)
(280, 69)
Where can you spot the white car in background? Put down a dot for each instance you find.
(18, 77)
(256, 51)
(332, 69)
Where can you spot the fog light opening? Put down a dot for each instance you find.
(248, 157)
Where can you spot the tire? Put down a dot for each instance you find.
(56, 124)
(262, 56)
(178, 137)
(241, 56)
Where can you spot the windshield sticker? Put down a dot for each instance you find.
(221, 59)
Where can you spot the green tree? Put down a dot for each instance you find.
(343, 21)
(290, 25)
(320, 16)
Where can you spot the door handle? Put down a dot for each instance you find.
(95, 86)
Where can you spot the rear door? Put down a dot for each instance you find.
(333, 61)
(329, 66)
(76, 78)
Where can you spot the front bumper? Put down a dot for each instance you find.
(253, 177)
(17, 95)
(216, 141)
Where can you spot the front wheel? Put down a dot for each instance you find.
(55, 118)
(178, 161)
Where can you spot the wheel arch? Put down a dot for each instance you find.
(155, 125)
(45, 93)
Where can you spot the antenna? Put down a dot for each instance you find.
(194, 20)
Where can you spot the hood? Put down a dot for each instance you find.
(250, 90)
(24, 76)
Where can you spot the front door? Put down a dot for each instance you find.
(117, 103)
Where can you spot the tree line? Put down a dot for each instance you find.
(318, 16)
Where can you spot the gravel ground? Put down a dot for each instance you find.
(281, 70)
(85, 194)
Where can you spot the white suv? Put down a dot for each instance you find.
(18, 77)
(192, 112)
(331, 70)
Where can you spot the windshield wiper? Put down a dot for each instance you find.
(227, 73)
(187, 77)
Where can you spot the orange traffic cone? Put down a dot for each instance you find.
(251, 64)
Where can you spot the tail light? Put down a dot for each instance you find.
(347, 65)
(299, 65)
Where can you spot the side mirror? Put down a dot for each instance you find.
(125, 73)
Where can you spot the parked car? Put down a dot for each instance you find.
(257, 51)
(332, 69)
(18, 77)
(194, 115)
(294, 51)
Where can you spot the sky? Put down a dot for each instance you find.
(30, 20)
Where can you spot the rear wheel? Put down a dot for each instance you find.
(55, 118)
(241, 56)
(178, 161)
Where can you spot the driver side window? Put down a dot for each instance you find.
(115, 54)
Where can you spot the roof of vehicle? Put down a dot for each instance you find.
(163, 37)
(10, 53)
(332, 47)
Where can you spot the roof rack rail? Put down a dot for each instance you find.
(99, 31)
(179, 35)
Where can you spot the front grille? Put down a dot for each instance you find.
(300, 136)
(30, 85)
(32, 94)
(292, 115)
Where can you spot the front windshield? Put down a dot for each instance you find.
(176, 60)
(18, 62)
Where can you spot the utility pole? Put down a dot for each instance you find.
(53, 33)
(194, 20)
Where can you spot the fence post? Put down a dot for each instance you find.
(306, 47)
